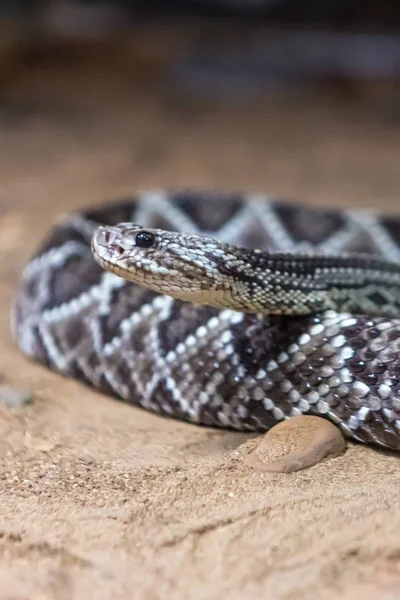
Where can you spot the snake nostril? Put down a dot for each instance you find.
(108, 236)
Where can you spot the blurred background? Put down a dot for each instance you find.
(296, 98)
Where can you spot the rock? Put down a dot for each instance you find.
(295, 444)
(14, 397)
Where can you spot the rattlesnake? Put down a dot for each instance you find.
(224, 358)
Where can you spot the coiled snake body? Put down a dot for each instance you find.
(300, 316)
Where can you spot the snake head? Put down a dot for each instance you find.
(184, 266)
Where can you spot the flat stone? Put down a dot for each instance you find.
(295, 444)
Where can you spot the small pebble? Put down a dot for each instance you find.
(41, 444)
(295, 444)
(14, 397)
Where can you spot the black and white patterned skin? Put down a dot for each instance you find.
(204, 365)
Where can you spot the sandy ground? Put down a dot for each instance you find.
(102, 500)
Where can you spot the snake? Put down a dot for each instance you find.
(223, 309)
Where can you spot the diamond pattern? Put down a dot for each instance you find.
(220, 368)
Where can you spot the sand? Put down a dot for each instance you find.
(99, 499)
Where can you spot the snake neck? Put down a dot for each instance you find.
(305, 284)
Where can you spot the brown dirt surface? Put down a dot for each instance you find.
(101, 499)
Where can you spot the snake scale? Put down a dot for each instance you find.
(296, 310)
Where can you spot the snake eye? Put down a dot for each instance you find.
(145, 239)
